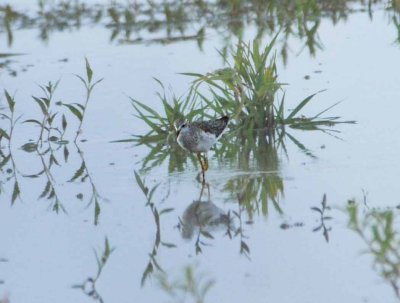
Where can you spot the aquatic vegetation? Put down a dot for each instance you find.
(6, 133)
(162, 125)
(10, 173)
(260, 184)
(7, 62)
(171, 153)
(153, 264)
(52, 188)
(256, 192)
(161, 137)
(46, 124)
(377, 228)
(49, 191)
(88, 287)
(49, 143)
(77, 109)
(249, 179)
(246, 91)
(82, 174)
(323, 218)
(49, 130)
(192, 285)
(174, 21)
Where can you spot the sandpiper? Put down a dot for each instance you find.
(198, 137)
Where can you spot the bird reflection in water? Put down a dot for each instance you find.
(202, 217)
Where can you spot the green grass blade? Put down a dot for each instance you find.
(299, 107)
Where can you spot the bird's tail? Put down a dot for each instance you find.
(225, 119)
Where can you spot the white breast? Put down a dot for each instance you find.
(206, 141)
(196, 143)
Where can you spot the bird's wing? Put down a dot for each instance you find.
(215, 127)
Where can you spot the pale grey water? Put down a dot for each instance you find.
(47, 253)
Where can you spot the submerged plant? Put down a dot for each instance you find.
(323, 218)
(7, 162)
(247, 91)
(162, 125)
(153, 263)
(78, 109)
(83, 174)
(191, 285)
(7, 132)
(165, 22)
(50, 191)
(88, 287)
(160, 138)
(379, 231)
(46, 124)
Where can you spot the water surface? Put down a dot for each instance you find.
(273, 247)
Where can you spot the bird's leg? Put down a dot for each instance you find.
(201, 161)
(205, 185)
(202, 168)
(205, 162)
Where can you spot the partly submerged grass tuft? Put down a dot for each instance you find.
(161, 125)
(247, 90)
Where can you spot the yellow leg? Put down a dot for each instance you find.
(202, 166)
(205, 162)
(201, 161)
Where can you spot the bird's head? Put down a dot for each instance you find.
(179, 124)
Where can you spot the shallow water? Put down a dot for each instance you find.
(274, 252)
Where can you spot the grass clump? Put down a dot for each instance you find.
(247, 90)
(174, 107)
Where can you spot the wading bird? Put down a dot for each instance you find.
(198, 137)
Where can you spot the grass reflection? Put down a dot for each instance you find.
(7, 161)
(323, 218)
(88, 287)
(192, 286)
(153, 264)
(83, 175)
(173, 21)
(49, 146)
(52, 188)
(378, 230)
(50, 191)
(6, 62)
